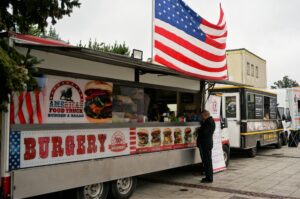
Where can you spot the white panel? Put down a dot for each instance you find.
(81, 66)
(170, 81)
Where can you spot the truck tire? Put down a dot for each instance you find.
(252, 152)
(285, 138)
(123, 188)
(279, 143)
(93, 191)
(226, 153)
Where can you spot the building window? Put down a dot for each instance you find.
(256, 71)
(252, 70)
(248, 68)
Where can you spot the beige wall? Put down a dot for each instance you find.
(237, 61)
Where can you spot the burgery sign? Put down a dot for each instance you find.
(51, 147)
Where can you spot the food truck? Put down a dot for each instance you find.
(95, 121)
(288, 100)
(252, 118)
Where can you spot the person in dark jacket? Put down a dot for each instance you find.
(205, 144)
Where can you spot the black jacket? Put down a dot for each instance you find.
(205, 133)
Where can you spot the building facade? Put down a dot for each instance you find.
(246, 67)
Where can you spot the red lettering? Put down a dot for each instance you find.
(102, 138)
(70, 145)
(92, 147)
(44, 147)
(30, 151)
(80, 144)
(57, 150)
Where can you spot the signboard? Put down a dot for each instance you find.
(214, 107)
(36, 148)
(230, 106)
(46, 147)
(64, 100)
(273, 108)
(259, 107)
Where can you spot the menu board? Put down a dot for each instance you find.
(258, 107)
(273, 105)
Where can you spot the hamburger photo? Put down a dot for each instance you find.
(98, 101)
(167, 136)
(143, 138)
(177, 136)
(188, 135)
(155, 134)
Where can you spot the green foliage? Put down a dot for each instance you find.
(286, 82)
(28, 17)
(116, 48)
(24, 13)
(35, 31)
(16, 72)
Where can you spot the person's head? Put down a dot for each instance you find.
(205, 114)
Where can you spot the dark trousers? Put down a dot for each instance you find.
(205, 152)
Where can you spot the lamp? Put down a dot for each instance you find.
(137, 54)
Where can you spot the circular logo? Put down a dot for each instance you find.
(118, 142)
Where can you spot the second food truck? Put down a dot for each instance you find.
(252, 117)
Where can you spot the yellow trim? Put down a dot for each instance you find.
(261, 132)
(250, 88)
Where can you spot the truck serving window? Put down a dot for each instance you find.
(128, 104)
(251, 105)
(161, 105)
(266, 107)
(255, 106)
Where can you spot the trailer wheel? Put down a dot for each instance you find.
(226, 153)
(279, 143)
(252, 152)
(93, 191)
(123, 188)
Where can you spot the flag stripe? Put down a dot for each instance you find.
(212, 31)
(29, 107)
(206, 47)
(187, 67)
(12, 111)
(213, 26)
(184, 59)
(38, 106)
(186, 52)
(190, 46)
(20, 112)
(169, 64)
(215, 43)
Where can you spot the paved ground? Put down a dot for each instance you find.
(274, 173)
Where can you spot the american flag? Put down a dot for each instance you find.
(26, 108)
(186, 42)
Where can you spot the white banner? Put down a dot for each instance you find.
(213, 105)
(52, 147)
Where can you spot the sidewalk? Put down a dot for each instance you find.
(274, 173)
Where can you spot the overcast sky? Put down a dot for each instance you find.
(268, 28)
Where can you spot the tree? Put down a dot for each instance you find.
(16, 70)
(116, 48)
(286, 82)
(24, 13)
(35, 31)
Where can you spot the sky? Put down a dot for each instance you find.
(268, 28)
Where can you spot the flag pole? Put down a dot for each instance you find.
(152, 34)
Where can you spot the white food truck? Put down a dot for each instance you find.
(96, 121)
(288, 100)
(252, 117)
